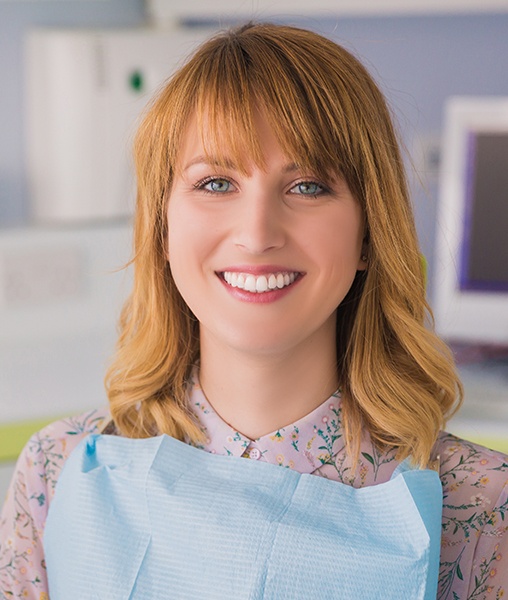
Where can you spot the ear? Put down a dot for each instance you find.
(363, 262)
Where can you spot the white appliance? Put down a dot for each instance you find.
(85, 92)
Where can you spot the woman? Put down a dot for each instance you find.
(278, 315)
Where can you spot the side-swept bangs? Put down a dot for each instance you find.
(320, 101)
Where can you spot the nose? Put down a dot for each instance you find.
(261, 223)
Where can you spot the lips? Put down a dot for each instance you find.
(259, 284)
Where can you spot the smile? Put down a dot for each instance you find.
(258, 284)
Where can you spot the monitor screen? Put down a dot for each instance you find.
(484, 252)
(470, 270)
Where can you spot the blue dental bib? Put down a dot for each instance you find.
(157, 518)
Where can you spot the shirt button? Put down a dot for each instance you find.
(254, 454)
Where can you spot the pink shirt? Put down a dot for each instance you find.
(474, 555)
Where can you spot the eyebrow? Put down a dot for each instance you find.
(201, 159)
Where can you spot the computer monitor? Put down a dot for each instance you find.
(471, 262)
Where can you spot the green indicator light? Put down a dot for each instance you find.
(136, 81)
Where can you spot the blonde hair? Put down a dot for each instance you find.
(398, 379)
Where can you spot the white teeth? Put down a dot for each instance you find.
(250, 283)
(258, 284)
(261, 284)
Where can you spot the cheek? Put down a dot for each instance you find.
(189, 222)
(183, 229)
(189, 244)
(337, 239)
(179, 236)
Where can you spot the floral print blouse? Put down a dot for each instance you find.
(474, 555)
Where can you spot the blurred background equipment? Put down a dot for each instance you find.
(471, 266)
(85, 92)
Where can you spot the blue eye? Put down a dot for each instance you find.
(308, 188)
(216, 186)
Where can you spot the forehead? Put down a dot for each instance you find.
(215, 139)
(221, 144)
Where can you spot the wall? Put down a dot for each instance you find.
(419, 62)
(16, 17)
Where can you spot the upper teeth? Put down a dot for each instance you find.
(260, 283)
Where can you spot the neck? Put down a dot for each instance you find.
(259, 394)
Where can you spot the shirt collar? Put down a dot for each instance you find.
(304, 446)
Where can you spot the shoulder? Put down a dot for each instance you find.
(26, 506)
(474, 478)
(52, 445)
(475, 519)
(45, 453)
(466, 464)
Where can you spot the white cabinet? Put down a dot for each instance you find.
(85, 92)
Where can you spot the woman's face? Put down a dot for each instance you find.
(263, 259)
